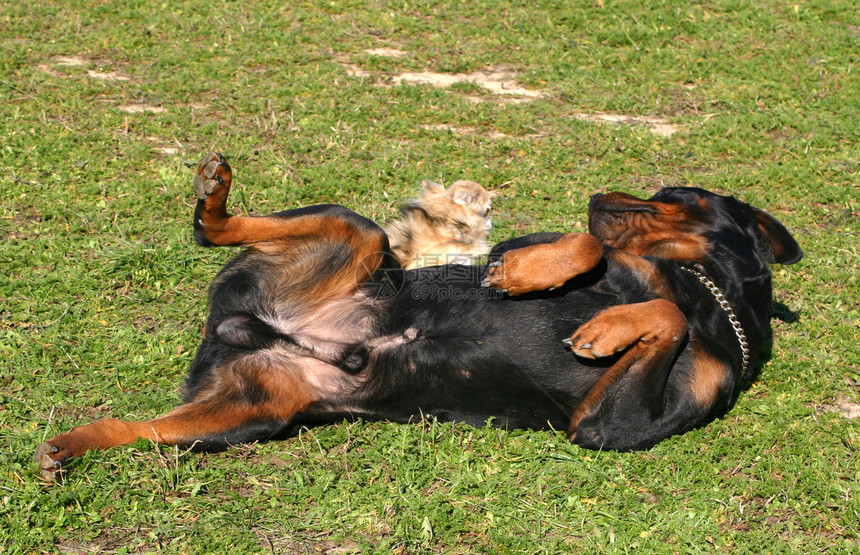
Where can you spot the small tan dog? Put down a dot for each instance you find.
(442, 226)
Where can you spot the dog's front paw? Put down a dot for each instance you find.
(614, 329)
(524, 270)
(545, 266)
(609, 332)
(494, 277)
(213, 176)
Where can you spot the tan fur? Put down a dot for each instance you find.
(442, 226)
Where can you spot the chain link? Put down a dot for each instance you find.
(733, 319)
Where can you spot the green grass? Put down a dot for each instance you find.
(102, 289)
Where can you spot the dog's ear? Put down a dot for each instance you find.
(431, 187)
(464, 197)
(783, 248)
(468, 193)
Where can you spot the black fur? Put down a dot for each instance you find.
(471, 354)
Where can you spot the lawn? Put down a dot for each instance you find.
(106, 107)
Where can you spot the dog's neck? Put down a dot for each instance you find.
(727, 308)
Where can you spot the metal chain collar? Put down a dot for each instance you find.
(733, 319)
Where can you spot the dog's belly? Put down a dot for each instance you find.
(476, 354)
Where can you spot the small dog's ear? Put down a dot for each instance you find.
(464, 197)
(468, 193)
(432, 187)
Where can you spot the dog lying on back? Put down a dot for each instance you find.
(442, 226)
(639, 330)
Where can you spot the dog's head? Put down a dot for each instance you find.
(463, 203)
(686, 224)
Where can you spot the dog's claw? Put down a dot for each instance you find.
(495, 264)
(485, 282)
(567, 341)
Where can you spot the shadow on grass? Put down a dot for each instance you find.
(784, 314)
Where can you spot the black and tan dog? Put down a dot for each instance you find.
(637, 331)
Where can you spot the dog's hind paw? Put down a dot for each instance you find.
(213, 176)
(49, 466)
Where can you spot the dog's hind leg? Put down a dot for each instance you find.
(366, 242)
(248, 402)
(185, 425)
(624, 409)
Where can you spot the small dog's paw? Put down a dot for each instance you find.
(212, 173)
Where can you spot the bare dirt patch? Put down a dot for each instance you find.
(107, 75)
(846, 409)
(61, 61)
(387, 52)
(496, 81)
(69, 61)
(54, 68)
(457, 130)
(658, 126)
(141, 108)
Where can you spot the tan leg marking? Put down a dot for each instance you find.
(650, 331)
